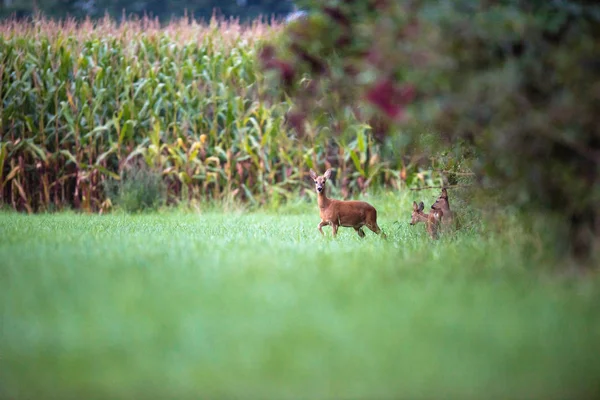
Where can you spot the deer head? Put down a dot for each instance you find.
(431, 220)
(320, 180)
(418, 215)
(442, 201)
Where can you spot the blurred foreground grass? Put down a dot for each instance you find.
(259, 306)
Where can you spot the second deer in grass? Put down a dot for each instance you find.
(442, 204)
(352, 214)
(431, 220)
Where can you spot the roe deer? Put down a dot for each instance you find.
(442, 204)
(352, 214)
(431, 220)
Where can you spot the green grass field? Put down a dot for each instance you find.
(260, 306)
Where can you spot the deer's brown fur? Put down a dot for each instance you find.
(431, 220)
(352, 214)
(442, 204)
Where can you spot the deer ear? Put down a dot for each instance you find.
(415, 206)
(312, 174)
(444, 192)
(421, 206)
(327, 174)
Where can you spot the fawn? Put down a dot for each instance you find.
(352, 214)
(442, 204)
(431, 220)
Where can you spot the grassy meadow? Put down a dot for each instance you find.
(217, 304)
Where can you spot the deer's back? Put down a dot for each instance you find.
(349, 213)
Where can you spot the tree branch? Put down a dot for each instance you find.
(438, 187)
(455, 173)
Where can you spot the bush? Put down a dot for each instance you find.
(139, 189)
(516, 82)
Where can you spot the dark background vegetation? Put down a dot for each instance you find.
(162, 9)
(514, 84)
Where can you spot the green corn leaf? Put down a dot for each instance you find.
(357, 163)
(70, 157)
(103, 156)
(37, 150)
(108, 173)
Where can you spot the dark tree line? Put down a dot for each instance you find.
(163, 9)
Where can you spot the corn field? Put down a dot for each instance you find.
(84, 102)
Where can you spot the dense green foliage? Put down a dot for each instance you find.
(162, 9)
(258, 305)
(138, 189)
(82, 103)
(513, 82)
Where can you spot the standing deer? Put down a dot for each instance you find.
(352, 214)
(442, 204)
(431, 220)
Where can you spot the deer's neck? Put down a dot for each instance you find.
(323, 200)
(445, 203)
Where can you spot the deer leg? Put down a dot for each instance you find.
(432, 231)
(360, 232)
(375, 228)
(321, 225)
(335, 228)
